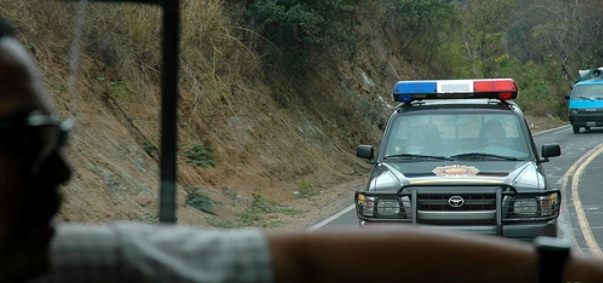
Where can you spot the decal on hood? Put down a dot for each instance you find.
(455, 171)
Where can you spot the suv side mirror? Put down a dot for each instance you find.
(567, 97)
(550, 150)
(365, 151)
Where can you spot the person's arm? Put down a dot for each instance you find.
(413, 255)
(135, 252)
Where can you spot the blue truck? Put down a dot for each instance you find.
(586, 100)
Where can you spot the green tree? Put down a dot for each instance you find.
(294, 28)
(423, 26)
(571, 31)
(482, 33)
(542, 87)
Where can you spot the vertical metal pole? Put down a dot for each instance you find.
(499, 204)
(169, 109)
(414, 206)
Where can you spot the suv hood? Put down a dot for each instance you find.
(391, 176)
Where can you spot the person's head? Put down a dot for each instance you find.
(423, 139)
(32, 165)
(492, 130)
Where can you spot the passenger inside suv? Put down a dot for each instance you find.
(493, 134)
(423, 139)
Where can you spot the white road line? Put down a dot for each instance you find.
(550, 130)
(331, 218)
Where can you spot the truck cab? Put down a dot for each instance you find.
(586, 101)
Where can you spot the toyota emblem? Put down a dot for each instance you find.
(456, 201)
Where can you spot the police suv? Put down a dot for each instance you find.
(458, 154)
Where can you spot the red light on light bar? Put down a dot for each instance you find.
(503, 85)
(506, 96)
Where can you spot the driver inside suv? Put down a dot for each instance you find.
(492, 133)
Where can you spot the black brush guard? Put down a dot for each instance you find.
(492, 204)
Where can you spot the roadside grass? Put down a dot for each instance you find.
(307, 190)
(262, 212)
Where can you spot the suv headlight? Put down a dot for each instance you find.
(548, 205)
(573, 111)
(542, 206)
(366, 205)
(387, 207)
(525, 206)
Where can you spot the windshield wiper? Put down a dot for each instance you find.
(587, 98)
(484, 155)
(420, 156)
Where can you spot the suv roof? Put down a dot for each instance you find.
(478, 103)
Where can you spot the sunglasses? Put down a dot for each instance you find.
(34, 135)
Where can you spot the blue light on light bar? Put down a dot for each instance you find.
(416, 87)
(406, 91)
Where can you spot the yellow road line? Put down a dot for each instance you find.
(591, 242)
(564, 205)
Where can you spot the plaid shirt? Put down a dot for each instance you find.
(132, 252)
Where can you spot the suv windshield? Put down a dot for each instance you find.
(457, 136)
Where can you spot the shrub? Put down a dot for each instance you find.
(200, 155)
(294, 27)
(199, 200)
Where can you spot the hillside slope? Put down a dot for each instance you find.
(282, 148)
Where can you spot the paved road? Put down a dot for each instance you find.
(577, 173)
(579, 176)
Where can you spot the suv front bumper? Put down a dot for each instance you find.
(524, 231)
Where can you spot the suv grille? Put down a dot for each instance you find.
(472, 202)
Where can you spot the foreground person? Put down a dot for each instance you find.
(32, 168)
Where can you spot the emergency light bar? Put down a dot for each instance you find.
(407, 91)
